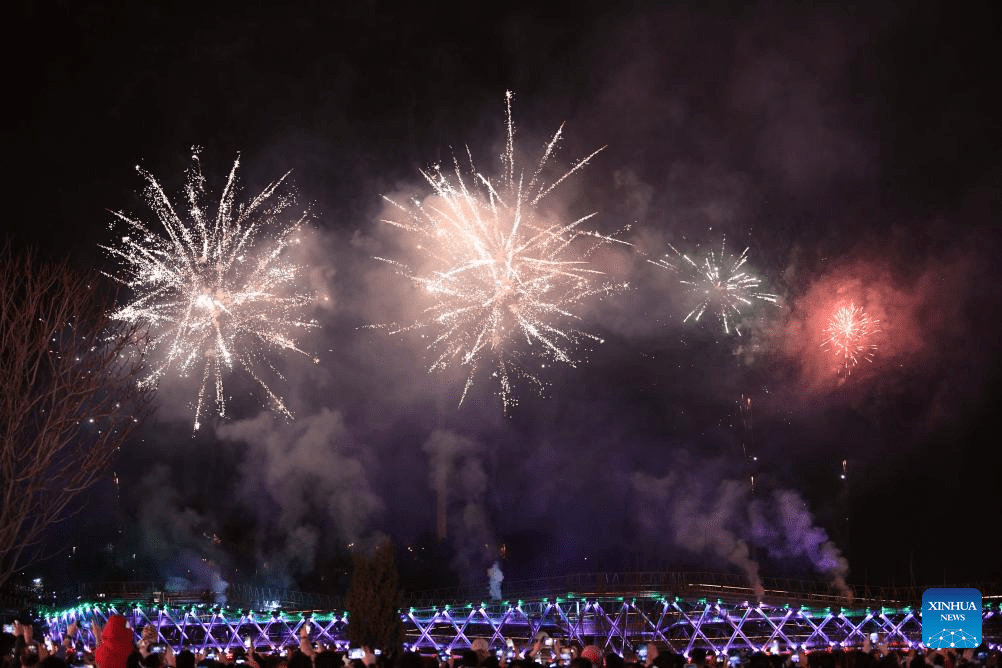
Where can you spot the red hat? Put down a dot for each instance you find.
(116, 644)
(591, 652)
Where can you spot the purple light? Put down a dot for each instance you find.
(435, 627)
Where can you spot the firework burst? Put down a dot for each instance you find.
(213, 291)
(719, 283)
(848, 335)
(504, 275)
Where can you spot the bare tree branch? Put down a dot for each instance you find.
(69, 397)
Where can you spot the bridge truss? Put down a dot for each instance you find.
(611, 622)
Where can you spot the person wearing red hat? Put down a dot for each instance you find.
(116, 644)
(593, 654)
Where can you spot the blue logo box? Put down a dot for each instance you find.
(951, 617)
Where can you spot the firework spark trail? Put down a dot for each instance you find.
(717, 283)
(504, 276)
(848, 335)
(215, 291)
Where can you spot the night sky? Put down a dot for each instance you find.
(855, 151)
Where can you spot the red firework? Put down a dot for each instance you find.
(848, 335)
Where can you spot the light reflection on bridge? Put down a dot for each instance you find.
(612, 622)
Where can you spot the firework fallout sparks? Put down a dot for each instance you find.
(719, 283)
(848, 335)
(213, 288)
(504, 275)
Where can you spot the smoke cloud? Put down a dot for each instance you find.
(312, 485)
(178, 538)
(725, 520)
(698, 519)
(457, 472)
(785, 527)
(496, 578)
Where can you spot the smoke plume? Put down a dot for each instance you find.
(723, 519)
(312, 482)
(496, 578)
(456, 472)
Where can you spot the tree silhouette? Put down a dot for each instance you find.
(68, 398)
(374, 600)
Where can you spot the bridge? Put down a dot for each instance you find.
(677, 610)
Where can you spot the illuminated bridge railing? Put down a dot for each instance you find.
(610, 622)
(153, 593)
(731, 587)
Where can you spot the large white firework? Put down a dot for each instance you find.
(717, 282)
(213, 287)
(503, 275)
